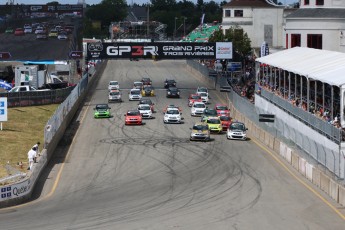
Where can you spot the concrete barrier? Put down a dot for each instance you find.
(309, 171)
(294, 160)
(288, 155)
(334, 190)
(276, 145)
(302, 166)
(282, 149)
(325, 183)
(316, 177)
(341, 197)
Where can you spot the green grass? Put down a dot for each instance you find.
(23, 128)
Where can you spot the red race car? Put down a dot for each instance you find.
(225, 121)
(194, 98)
(133, 117)
(222, 110)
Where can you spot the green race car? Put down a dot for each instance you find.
(102, 111)
(9, 30)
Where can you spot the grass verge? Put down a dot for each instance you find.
(24, 127)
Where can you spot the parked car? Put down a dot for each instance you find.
(28, 30)
(62, 36)
(9, 30)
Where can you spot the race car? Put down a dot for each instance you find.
(146, 81)
(222, 110)
(214, 124)
(225, 121)
(208, 113)
(101, 111)
(147, 90)
(201, 89)
(113, 85)
(172, 115)
(137, 85)
(193, 98)
(149, 102)
(200, 132)
(114, 96)
(145, 110)
(197, 108)
(133, 117)
(204, 97)
(171, 106)
(169, 83)
(173, 92)
(134, 95)
(237, 130)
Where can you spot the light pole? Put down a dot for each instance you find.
(175, 29)
(184, 27)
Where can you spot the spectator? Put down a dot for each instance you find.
(38, 150)
(31, 155)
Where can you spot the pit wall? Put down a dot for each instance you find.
(318, 177)
(20, 192)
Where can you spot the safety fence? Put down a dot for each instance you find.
(32, 98)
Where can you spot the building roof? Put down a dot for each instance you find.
(248, 3)
(318, 13)
(322, 65)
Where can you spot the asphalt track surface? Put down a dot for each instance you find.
(152, 177)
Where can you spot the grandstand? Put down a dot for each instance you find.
(201, 33)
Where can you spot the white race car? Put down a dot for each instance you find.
(204, 97)
(237, 130)
(135, 95)
(113, 85)
(145, 110)
(172, 115)
(197, 108)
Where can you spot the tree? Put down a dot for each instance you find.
(108, 11)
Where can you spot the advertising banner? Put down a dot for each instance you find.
(159, 50)
(15, 190)
(224, 50)
(3, 109)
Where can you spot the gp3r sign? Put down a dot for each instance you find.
(3, 109)
(161, 50)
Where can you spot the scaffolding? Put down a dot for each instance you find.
(138, 30)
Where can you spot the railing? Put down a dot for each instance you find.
(330, 131)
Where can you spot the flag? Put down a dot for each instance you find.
(202, 19)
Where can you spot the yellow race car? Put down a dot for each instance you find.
(147, 90)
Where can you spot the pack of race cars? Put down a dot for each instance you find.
(212, 120)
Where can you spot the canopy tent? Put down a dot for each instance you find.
(322, 65)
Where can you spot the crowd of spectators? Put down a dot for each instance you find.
(320, 111)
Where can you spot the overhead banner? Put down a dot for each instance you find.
(160, 50)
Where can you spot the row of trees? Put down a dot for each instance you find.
(164, 11)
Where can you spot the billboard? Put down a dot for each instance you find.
(40, 32)
(160, 50)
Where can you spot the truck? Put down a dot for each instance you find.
(22, 88)
(37, 76)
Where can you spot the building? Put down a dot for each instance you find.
(317, 24)
(260, 19)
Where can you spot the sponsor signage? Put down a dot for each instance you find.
(76, 54)
(160, 50)
(224, 50)
(234, 66)
(15, 191)
(264, 49)
(3, 109)
(5, 55)
(266, 117)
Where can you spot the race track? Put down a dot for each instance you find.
(152, 177)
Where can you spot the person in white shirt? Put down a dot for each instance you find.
(31, 155)
(37, 150)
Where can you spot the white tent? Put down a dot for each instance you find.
(323, 65)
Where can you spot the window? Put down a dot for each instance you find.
(319, 2)
(314, 41)
(227, 13)
(295, 40)
(306, 2)
(238, 13)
